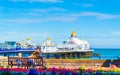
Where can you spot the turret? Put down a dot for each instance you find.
(47, 46)
(23, 44)
(73, 34)
(28, 39)
(29, 42)
(73, 39)
(48, 39)
(48, 42)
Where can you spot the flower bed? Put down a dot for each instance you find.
(61, 71)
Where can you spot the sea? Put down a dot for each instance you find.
(104, 53)
(107, 53)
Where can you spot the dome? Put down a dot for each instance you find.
(73, 33)
(48, 42)
(28, 39)
(48, 38)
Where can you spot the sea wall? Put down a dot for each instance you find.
(78, 63)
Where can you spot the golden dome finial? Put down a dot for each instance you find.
(73, 33)
(28, 39)
(48, 38)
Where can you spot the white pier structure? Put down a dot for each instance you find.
(73, 46)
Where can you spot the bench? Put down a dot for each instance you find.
(25, 62)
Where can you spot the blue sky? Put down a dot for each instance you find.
(97, 21)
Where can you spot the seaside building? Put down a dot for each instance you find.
(72, 48)
(74, 43)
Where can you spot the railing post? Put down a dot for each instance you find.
(42, 61)
(8, 60)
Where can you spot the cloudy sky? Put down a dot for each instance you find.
(97, 21)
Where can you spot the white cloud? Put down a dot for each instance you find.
(18, 36)
(28, 34)
(83, 5)
(35, 11)
(39, 20)
(100, 16)
(54, 9)
(116, 32)
(87, 5)
(64, 17)
(43, 1)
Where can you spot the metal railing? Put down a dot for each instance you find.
(105, 57)
(16, 50)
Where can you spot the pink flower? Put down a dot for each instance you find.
(113, 66)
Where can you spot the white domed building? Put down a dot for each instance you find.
(74, 43)
(73, 47)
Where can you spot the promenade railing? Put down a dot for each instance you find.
(16, 50)
(105, 57)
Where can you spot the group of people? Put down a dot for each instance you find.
(30, 62)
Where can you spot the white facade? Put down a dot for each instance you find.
(48, 46)
(72, 44)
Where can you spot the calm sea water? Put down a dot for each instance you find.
(104, 54)
(107, 53)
